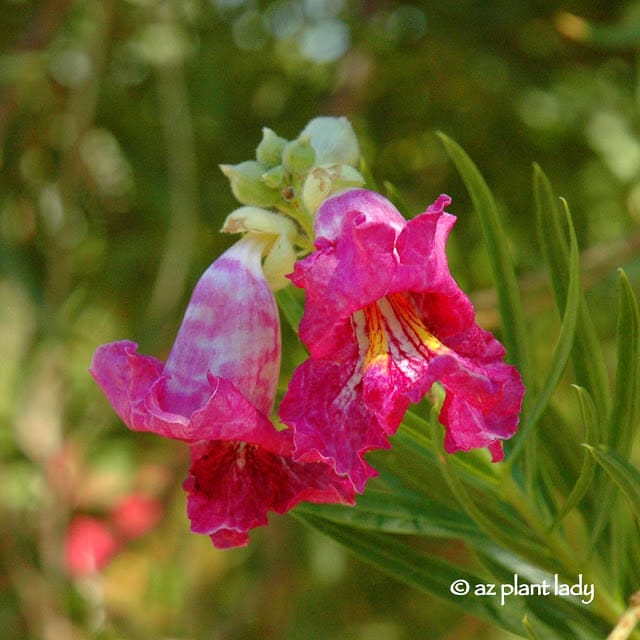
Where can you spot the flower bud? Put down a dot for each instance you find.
(247, 185)
(281, 254)
(333, 140)
(298, 155)
(274, 178)
(258, 220)
(269, 151)
(326, 180)
(279, 262)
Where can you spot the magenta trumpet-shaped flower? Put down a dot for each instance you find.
(384, 319)
(215, 392)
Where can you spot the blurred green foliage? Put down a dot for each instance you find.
(114, 117)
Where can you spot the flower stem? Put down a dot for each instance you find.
(296, 212)
(628, 621)
(183, 190)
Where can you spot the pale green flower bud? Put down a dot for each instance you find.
(333, 140)
(281, 254)
(247, 185)
(325, 181)
(259, 220)
(269, 151)
(279, 262)
(298, 155)
(274, 178)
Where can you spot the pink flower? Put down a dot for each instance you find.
(384, 320)
(135, 515)
(215, 392)
(89, 546)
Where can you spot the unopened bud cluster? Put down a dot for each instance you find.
(322, 160)
(287, 182)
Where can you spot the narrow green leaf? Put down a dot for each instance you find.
(564, 615)
(558, 438)
(622, 556)
(398, 200)
(624, 421)
(400, 513)
(403, 467)
(405, 470)
(411, 469)
(291, 303)
(531, 633)
(588, 361)
(389, 513)
(397, 558)
(585, 479)
(551, 234)
(414, 458)
(509, 532)
(622, 472)
(563, 346)
(509, 301)
(369, 180)
(473, 466)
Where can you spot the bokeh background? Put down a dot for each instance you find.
(114, 117)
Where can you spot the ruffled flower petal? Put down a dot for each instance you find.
(334, 425)
(215, 392)
(384, 319)
(230, 482)
(126, 377)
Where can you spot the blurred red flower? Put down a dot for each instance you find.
(135, 515)
(89, 546)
